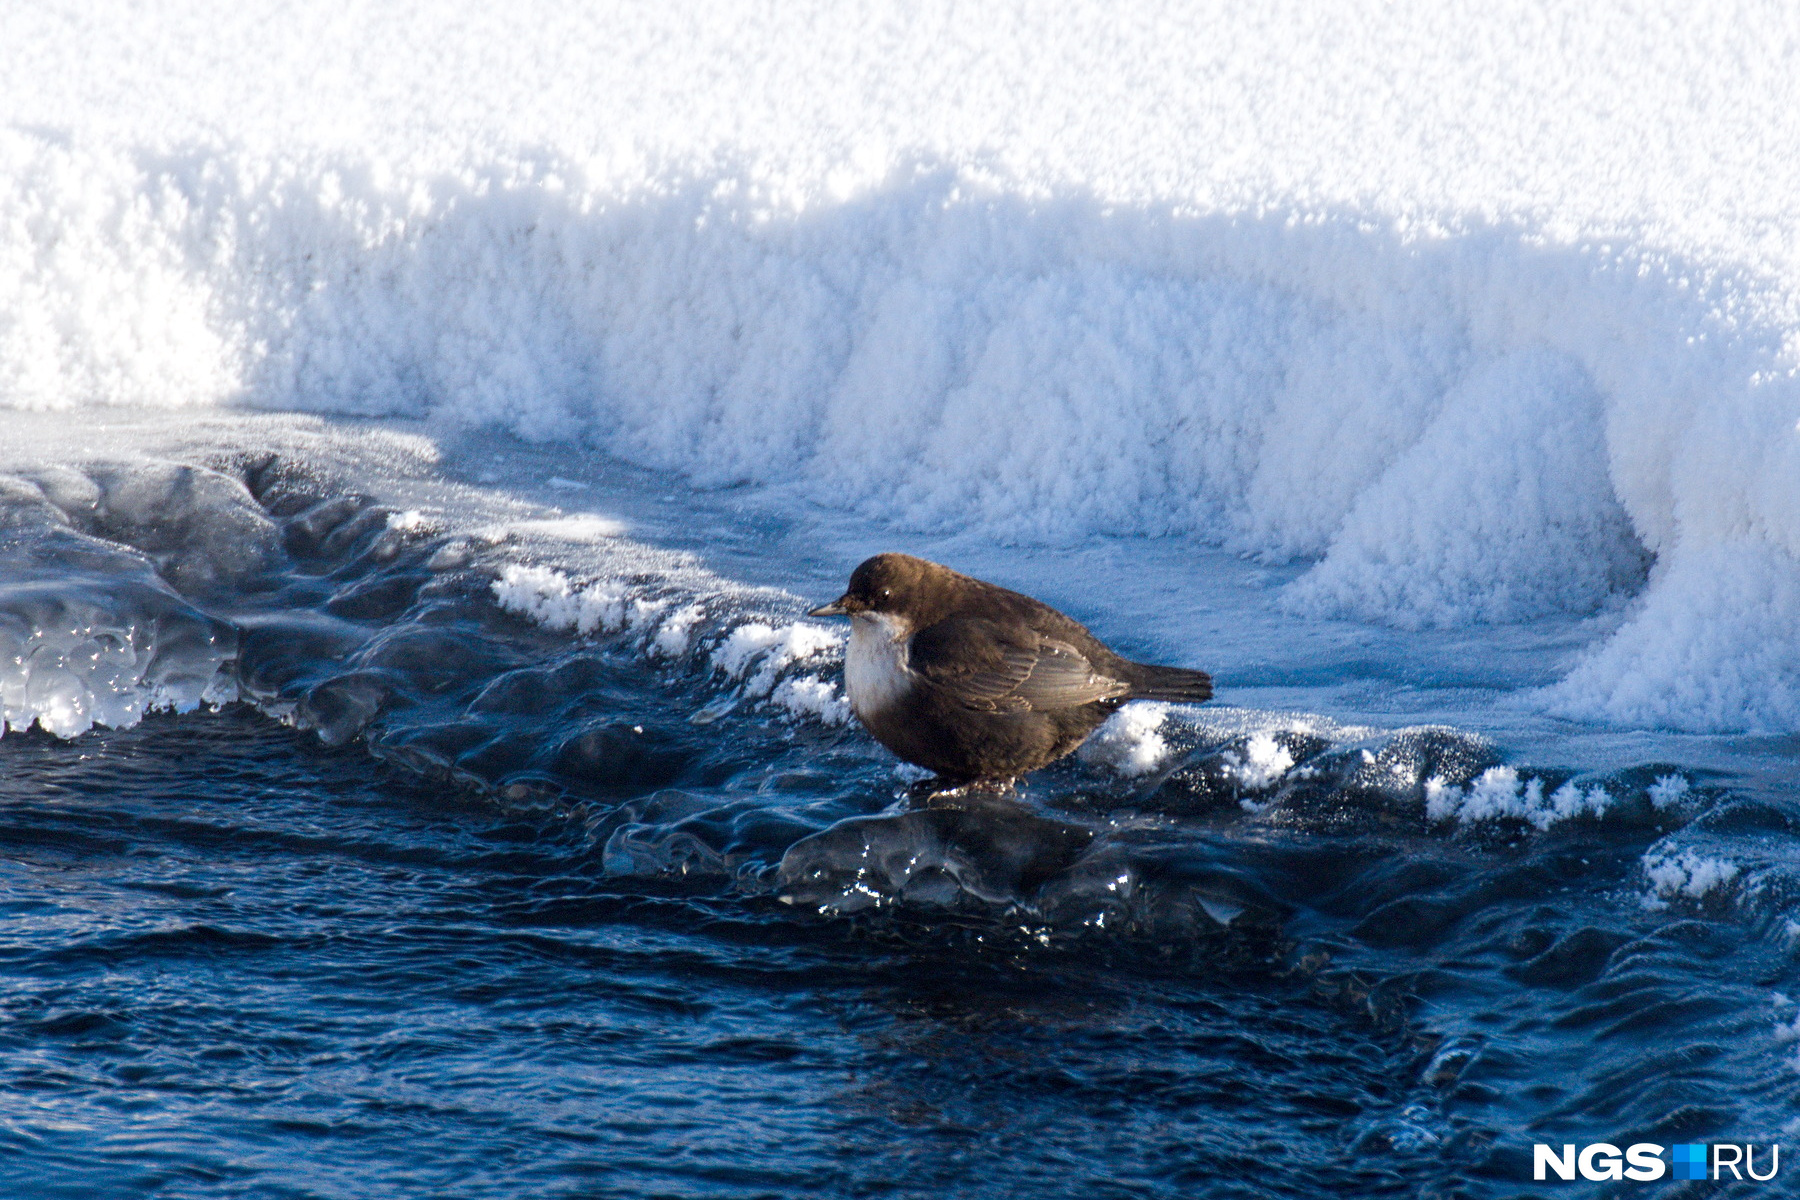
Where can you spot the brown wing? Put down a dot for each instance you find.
(990, 667)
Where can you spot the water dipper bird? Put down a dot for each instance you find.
(976, 682)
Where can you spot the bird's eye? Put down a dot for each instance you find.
(887, 593)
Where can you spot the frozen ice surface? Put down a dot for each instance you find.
(91, 632)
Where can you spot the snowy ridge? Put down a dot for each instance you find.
(1483, 395)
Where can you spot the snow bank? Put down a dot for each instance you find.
(1713, 645)
(1502, 510)
(1470, 333)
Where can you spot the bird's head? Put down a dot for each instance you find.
(888, 584)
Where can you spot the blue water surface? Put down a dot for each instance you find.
(451, 904)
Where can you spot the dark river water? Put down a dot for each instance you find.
(447, 902)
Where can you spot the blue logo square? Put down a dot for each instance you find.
(1690, 1161)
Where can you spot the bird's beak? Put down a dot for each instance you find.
(834, 609)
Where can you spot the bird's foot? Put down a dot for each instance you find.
(938, 792)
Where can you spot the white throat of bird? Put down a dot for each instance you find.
(876, 673)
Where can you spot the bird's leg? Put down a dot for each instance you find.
(925, 791)
(945, 793)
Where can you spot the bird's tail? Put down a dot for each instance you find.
(1176, 684)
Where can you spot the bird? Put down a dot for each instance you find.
(977, 683)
